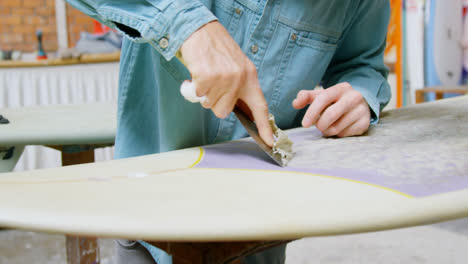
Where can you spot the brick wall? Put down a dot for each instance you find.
(77, 22)
(19, 20)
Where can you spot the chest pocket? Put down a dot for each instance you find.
(309, 31)
(325, 18)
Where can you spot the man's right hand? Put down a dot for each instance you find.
(224, 74)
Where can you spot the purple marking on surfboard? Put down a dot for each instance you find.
(247, 155)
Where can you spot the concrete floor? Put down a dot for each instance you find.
(445, 243)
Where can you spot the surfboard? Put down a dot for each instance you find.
(411, 169)
(444, 54)
(54, 125)
(59, 124)
(414, 10)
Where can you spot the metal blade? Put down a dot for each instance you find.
(251, 128)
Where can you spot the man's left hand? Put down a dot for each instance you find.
(336, 111)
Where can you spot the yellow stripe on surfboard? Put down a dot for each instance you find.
(320, 175)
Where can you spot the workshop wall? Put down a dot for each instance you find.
(20, 19)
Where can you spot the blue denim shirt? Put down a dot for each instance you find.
(294, 45)
(299, 43)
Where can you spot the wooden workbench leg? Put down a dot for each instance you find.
(439, 95)
(419, 96)
(214, 252)
(80, 250)
(74, 158)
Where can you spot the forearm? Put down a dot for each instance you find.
(359, 57)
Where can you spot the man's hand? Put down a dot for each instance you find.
(337, 111)
(224, 74)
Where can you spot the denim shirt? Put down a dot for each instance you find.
(294, 45)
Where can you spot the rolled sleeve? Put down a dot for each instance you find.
(163, 24)
(359, 56)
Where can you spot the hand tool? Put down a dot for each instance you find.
(188, 90)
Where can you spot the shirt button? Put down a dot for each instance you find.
(294, 36)
(254, 49)
(163, 43)
(238, 11)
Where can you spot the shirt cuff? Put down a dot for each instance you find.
(172, 23)
(372, 102)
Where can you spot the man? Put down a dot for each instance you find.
(270, 54)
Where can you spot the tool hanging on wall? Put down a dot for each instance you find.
(41, 55)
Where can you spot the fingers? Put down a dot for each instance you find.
(218, 66)
(321, 101)
(347, 102)
(304, 98)
(259, 108)
(345, 121)
(223, 106)
(337, 111)
(220, 84)
(356, 129)
(331, 114)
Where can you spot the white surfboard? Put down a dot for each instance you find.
(55, 125)
(409, 170)
(414, 46)
(444, 50)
